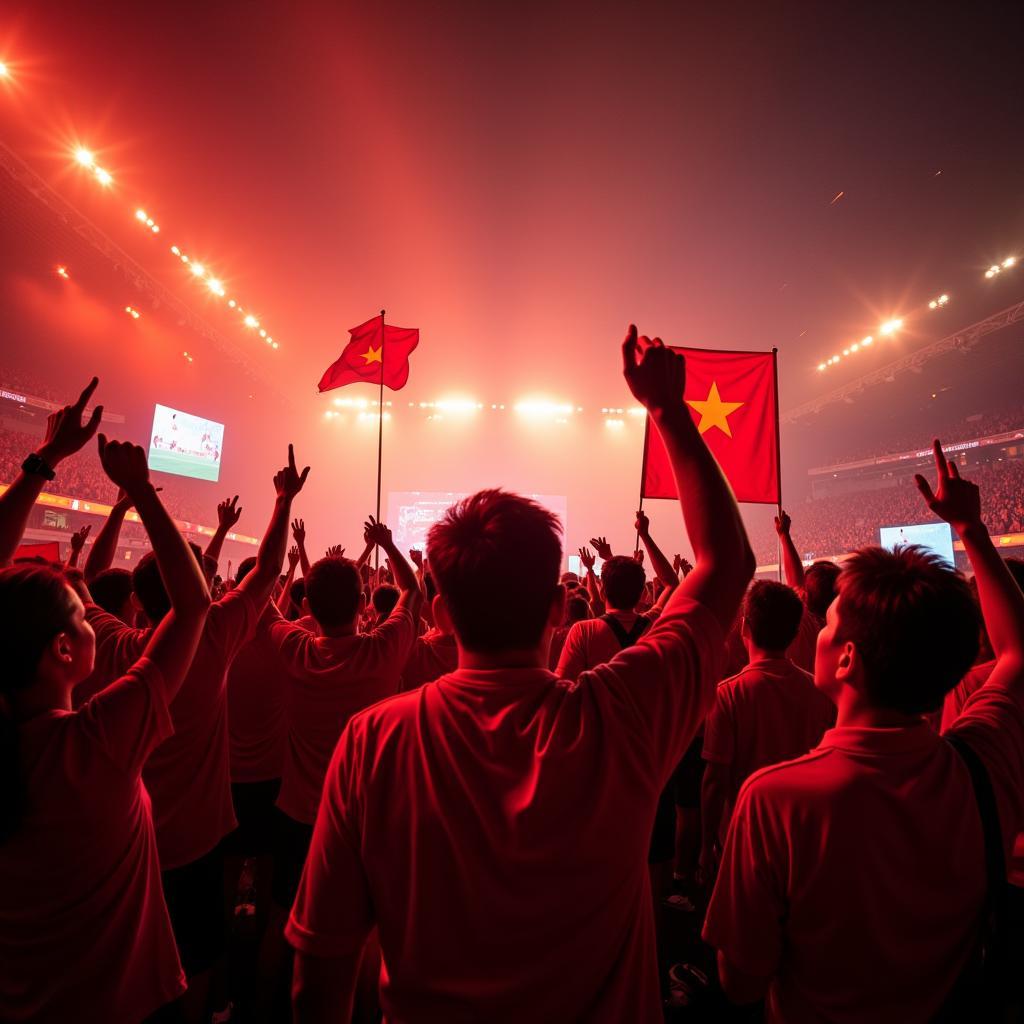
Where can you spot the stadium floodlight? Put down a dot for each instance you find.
(1009, 262)
(63, 272)
(215, 286)
(4, 73)
(198, 269)
(104, 177)
(84, 157)
(890, 326)
(993, 270)
(251, 321)
(867, 341)
(821, 366)
(141, 215)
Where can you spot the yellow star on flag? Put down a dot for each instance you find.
(373, 355)
(713, 411)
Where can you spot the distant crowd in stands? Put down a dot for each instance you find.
(440, 827)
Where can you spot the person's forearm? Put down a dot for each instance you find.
(791, 562)
(15, 506)
(216, 545)
(72, 562)
(365, 556)
(285, 597)
(405, 576)
(594, 591)
(710, 512)
(712, 804)
(659, 563)
(1002, 603)
(101, 555)
(303, 558)
(181, 574)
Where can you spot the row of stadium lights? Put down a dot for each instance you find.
(529, 409)
(890, 327)
(85, 159)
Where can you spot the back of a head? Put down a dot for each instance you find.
(576, 610)
(772, 613)
(245, 566)
(333, 588)
(624, 580)
(913, 622)
(149, 585)
(496, 558)
(385, 597)
(820, 586)
(111, 590)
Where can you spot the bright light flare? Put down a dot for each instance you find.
(63, 272)
(614, 424)
(251, 321)
(4, 72)
(105, 178)
(1010, 261)
(215, 286)
(890, 326)
(198, 269)
(133, 313)
(84, 157)
(540, 409)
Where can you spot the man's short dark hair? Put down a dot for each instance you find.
(913, 622)
(149, 587)
(110, 589)
(820, 582)
(333, 587)
(624, 580)
(496, 558)
(385, 597)
(576, 610)
(245, 566)
(772, 612)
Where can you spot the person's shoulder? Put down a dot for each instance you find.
(381, 718)
(790, 780)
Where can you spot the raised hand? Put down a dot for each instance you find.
(417, 557)
(65, 431)
(954, 499)
(587, 559)
(684, 567)
(125, 464)
(335, 551)
(638, 556)
(299, 531)
(656, 375)
(293, 558)
(288, 481)
(228, 513)
(782, 524)
(78, 538)
(642, 524)
(376, 533)
(602, 547)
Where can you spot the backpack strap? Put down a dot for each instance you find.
(626, 639)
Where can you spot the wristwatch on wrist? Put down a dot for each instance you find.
(36, 464)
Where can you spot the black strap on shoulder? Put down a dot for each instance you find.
(995, 860)
(626, 639)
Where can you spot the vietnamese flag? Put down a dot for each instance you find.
(733, 400)
(377, 353)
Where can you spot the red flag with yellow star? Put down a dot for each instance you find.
(733, 399)
(377, 351)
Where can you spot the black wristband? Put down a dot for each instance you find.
(37, 465)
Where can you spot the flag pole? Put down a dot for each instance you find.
(380, 435)
(643, 476)
(778, 454)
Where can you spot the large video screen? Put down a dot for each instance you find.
(412, 513)
(937, 537)
(185, 444)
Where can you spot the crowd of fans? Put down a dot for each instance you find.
(465, 787)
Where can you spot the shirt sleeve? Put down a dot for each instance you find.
(665, 682)
(290, 639)
(719, 740)
(129, 718)
(232, 622)
(748, 905)
(393, 639)
(992, 724)
(333, 910)
(573, 660)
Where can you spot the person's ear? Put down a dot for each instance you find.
(442, 617)
(557, 610)
(848, 665)
(744, 628)
(305, 606)
(61, 650)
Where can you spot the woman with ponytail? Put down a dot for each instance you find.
(84, 932)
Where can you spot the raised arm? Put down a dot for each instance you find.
(78, 539)
(285, 597)
(791, 560)
(299, 536)
(588, 560)
(104, 547)
(659, 563)
(375, 533)
(174, 641)
(65, 435)
(724, 561)
(958, 502)
(260, 582)
(228, 513)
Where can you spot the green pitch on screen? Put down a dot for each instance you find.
(184, 465)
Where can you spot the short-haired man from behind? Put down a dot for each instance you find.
(494, 824)
(767, 713)
(853, 881)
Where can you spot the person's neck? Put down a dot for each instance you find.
(334, 632)
(44, 695)
(756, 654)
(619, 611)
(852, 711)
(484, 661)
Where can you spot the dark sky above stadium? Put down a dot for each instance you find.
(521, 180)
